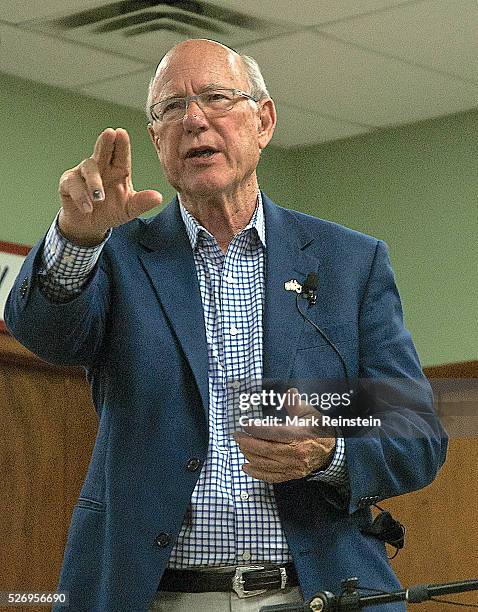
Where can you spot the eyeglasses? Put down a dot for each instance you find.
(214, 103)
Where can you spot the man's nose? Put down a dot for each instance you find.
(194, 119)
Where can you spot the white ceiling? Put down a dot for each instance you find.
(335, 68)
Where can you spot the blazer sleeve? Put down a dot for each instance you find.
(407, 450)
(67, 333)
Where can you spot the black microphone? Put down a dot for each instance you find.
(309, 288)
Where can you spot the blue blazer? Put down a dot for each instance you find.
(138, 329)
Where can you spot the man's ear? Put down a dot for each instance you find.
(266, 122)
(153, 137)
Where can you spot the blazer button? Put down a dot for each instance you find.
(163, 539)
(193, 464)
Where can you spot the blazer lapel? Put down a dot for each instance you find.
(286, 260)
(169, 263)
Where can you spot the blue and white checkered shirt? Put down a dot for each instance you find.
(232, 517)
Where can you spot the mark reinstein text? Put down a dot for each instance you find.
(320, 420)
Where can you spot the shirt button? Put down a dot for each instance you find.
(229, 278)
(233, 330)
(235, 384)
(244, 495)
(193, 464)
(163, 539)
(24, 288)
(246, 556)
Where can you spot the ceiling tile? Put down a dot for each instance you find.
(56, 62)
(129, 90)
(297, 127)
(148, 48)
(439, 33)
(16, 11)
(339, 80)
(307, 12)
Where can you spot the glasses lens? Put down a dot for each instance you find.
(219, 100)
(170, 110)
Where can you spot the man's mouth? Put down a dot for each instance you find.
(200, 152)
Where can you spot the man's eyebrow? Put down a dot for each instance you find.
(213, 86)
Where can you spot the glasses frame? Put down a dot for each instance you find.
(195, 98)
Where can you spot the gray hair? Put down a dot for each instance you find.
(257, 85)
(255, 78)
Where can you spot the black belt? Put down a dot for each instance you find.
(246, 581)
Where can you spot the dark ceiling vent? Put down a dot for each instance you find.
(186, 17)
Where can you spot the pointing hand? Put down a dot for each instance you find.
(98, 193)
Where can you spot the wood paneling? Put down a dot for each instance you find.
(441, 540)
(460, 369)
(47, 434)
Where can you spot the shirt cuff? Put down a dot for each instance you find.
(66, 267)
(336, 473)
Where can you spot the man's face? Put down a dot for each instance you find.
(236, 137)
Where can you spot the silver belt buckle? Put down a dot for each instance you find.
(238, 582)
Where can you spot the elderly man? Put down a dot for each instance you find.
(174, 319)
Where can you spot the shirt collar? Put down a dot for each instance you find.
(193, 227)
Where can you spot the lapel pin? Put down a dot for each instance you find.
(293, 285)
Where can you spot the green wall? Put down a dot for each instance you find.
(413, 186)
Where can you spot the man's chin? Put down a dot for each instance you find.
(202, 188)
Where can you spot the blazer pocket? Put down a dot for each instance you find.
(338, 334)
(90, 504)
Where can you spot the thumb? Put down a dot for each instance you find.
(142, 201)
(295, 406)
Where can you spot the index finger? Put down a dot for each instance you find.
(122, 151)
(104, 148)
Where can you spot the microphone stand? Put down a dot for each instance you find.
(352, 600)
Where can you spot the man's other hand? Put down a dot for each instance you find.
(287, 452)
(98, 193)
